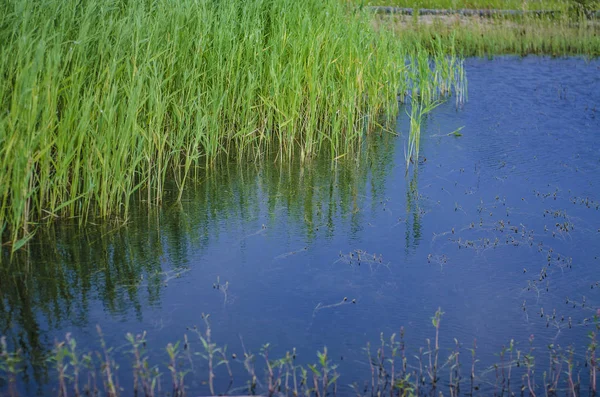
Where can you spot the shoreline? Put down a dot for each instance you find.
(488, 13)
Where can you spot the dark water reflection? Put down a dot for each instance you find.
(504, 218)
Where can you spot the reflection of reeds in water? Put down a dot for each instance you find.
(122, 269)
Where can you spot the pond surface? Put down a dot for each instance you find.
(500, 227)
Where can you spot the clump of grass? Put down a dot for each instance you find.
(432, 78)
(103, 101)
(418, 111)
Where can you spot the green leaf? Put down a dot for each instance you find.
(456, 132)
(20, 243)
(314, 369)
(333, 380)
(204, 343)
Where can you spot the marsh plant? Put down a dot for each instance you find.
(584, 8)
(432, 79)
(394, 369)
(418, 112)
(103, 102)
(10, 366)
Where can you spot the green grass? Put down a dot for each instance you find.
(474, 36)
(105, 101)
(566, 32)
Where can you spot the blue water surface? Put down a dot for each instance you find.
(497, 225)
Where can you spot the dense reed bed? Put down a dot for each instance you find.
(106, 100)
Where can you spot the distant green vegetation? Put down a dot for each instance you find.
(565, 30)
(474, 36)
(105, 100)
(485, 4)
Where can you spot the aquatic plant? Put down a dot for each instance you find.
(10, 365)
(393, 368)
(418, 111)
(211, 352)
(145, 377)
(431, 82)
(106, 101)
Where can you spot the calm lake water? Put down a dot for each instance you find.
(499, 227)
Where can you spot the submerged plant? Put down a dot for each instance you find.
(10, 366)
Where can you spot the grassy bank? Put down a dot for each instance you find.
(474, 36)
(563, 30)
(103, 101)
(561, 5)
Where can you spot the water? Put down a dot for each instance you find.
(493, 226)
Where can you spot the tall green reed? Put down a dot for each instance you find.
(102, 102)
(432, 77)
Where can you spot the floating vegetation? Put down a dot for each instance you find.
(224, 288)
(585, 201)
(438, 259)
(288, 254)
(321, 306)
(260, 231)
(499, 226)
(358, 257)
(170, 275)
